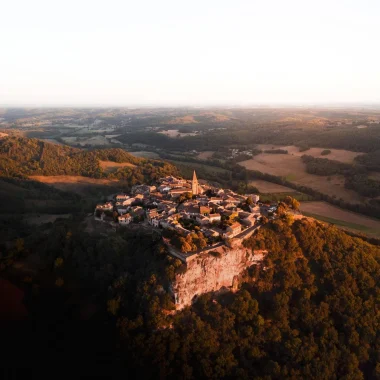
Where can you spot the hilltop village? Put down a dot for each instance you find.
(193, 216)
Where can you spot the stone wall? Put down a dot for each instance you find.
(206, 273)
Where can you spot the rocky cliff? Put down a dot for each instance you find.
(211, 271)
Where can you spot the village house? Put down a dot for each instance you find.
(139, 198)
(128, 201)
(202, 220)
(255, 210)
(215, 218)
(155, 222)
(177, 192)
(124, 219)
(232, 200)
(234, 228)
(203, 210)
(211, 232)
(255, 198)
(121, 197)
(121, 210)
(137, 212)
(157, 196)
(105, 206)
(189, 208)
(216, 200)
(151, 214)
(143, 189)
(164, 188)
(202, 200)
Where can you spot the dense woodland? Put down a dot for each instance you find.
(357, 177)
(311, 313)
(344, 137)
(310, 310)
(22, 156)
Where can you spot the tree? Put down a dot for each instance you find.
(113, 305)
(58, 262)
(185, 246)
(281, 208)
(295, 204)
(202, 243)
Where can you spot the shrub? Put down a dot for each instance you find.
(215, 254)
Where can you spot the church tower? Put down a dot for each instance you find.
(194, 184)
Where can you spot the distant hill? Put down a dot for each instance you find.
(21, 156)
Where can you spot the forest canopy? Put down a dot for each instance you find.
(23, 156)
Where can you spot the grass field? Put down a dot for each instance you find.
(331, 214)
(79, 184)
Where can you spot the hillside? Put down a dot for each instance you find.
(32, 157)
(310, 311)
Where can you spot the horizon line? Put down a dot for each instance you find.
(194, 105)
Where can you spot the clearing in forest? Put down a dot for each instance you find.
(77, 184)
(111, 167)
(205, 155)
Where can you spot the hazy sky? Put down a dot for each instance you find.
(162, 52)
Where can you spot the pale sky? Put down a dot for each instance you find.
(207, 52)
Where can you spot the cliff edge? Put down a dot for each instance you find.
(212, 270)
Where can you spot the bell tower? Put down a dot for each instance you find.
(194, 184)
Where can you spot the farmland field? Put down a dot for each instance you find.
(174, 133)
(269, 187)
(293, 169)
(341, 155)
(205, 155)
(145, 154)
(196, 166)
(347, 219)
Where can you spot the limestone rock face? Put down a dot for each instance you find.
(206, 273)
